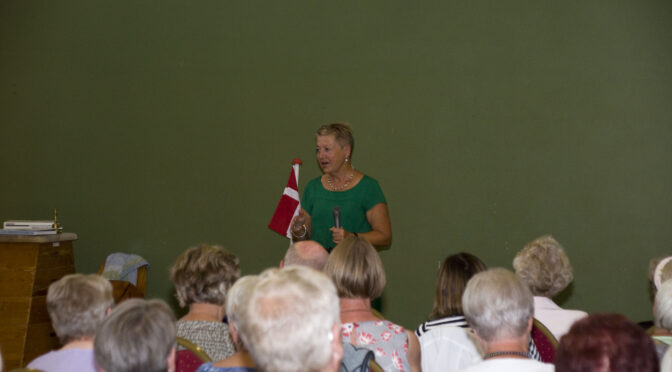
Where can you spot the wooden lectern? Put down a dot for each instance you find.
(28, 264)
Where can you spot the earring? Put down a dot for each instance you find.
(346, 159)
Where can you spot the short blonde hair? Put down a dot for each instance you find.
(342, 132)
(77, 304)
(204, 274)
(356, 269)
(544, 266)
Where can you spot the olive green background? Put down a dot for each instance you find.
(156, 125)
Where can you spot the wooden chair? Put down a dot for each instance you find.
(189, 358)
(545, 341)
(122, 290)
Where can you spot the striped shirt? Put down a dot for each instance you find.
(460, 321)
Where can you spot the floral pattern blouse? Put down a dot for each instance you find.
(388, 341)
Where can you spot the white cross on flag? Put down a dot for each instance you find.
(289, 205)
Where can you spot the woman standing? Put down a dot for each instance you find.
(362, 205)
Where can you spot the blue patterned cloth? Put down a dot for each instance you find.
(207, 367)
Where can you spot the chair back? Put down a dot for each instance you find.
(545, 341)
(189, 358)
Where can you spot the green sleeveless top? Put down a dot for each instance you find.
(354, 203)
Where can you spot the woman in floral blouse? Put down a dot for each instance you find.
(359, 276)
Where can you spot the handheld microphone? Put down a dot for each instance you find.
(337, 217)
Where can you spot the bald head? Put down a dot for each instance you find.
(306, 253)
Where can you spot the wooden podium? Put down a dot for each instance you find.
(28, 265)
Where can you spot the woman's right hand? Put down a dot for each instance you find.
(300, 226)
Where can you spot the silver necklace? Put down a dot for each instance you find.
(330, 182)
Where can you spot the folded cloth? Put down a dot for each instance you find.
(355, 359)
(123, 266)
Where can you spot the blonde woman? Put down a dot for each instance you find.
(358, 273)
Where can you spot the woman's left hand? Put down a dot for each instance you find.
(338, 234)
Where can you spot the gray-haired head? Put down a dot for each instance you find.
(498, 305)
(138, 335)
(292, 321)
(77, 304)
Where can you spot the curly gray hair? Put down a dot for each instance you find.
(544, 266)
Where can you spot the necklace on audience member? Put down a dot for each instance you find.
(500, 353)
(330, 182)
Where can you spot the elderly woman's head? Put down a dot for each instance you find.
(498, 305)
(356, 269)
(342, 133)
(660, 270)
(451, 281)
(77, 304)
(236, 304)
(662, 308)
(139, 335)
(544, 266)
(204, 274)
(606, 343)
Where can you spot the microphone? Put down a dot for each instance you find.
(337, 217)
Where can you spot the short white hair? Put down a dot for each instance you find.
(289, 320)
(663, 306)
(238, 299)
(139, 335)
(498, 305)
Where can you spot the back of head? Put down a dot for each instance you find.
(204, 274)
(289, 321)
(356, 269)
(138, 336)
(498, 305)
(238, 299)
(544, 266)
(77, 304)
(660, 271)
(451, 281)
(307, 253)
(662, 308)
(606, 343)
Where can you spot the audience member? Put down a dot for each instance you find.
(291, 322)
(236, 305)
(662, 315)
(499, 308)
(307, 253)
(138, 336)
(446, 342)
(202, 276)
(666, 364)
(606, 343)
(546, 269)
(358, 273)
(660, 271)
(77, 304)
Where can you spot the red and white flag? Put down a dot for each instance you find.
(289, 205)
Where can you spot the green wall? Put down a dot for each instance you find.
(156, 125)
